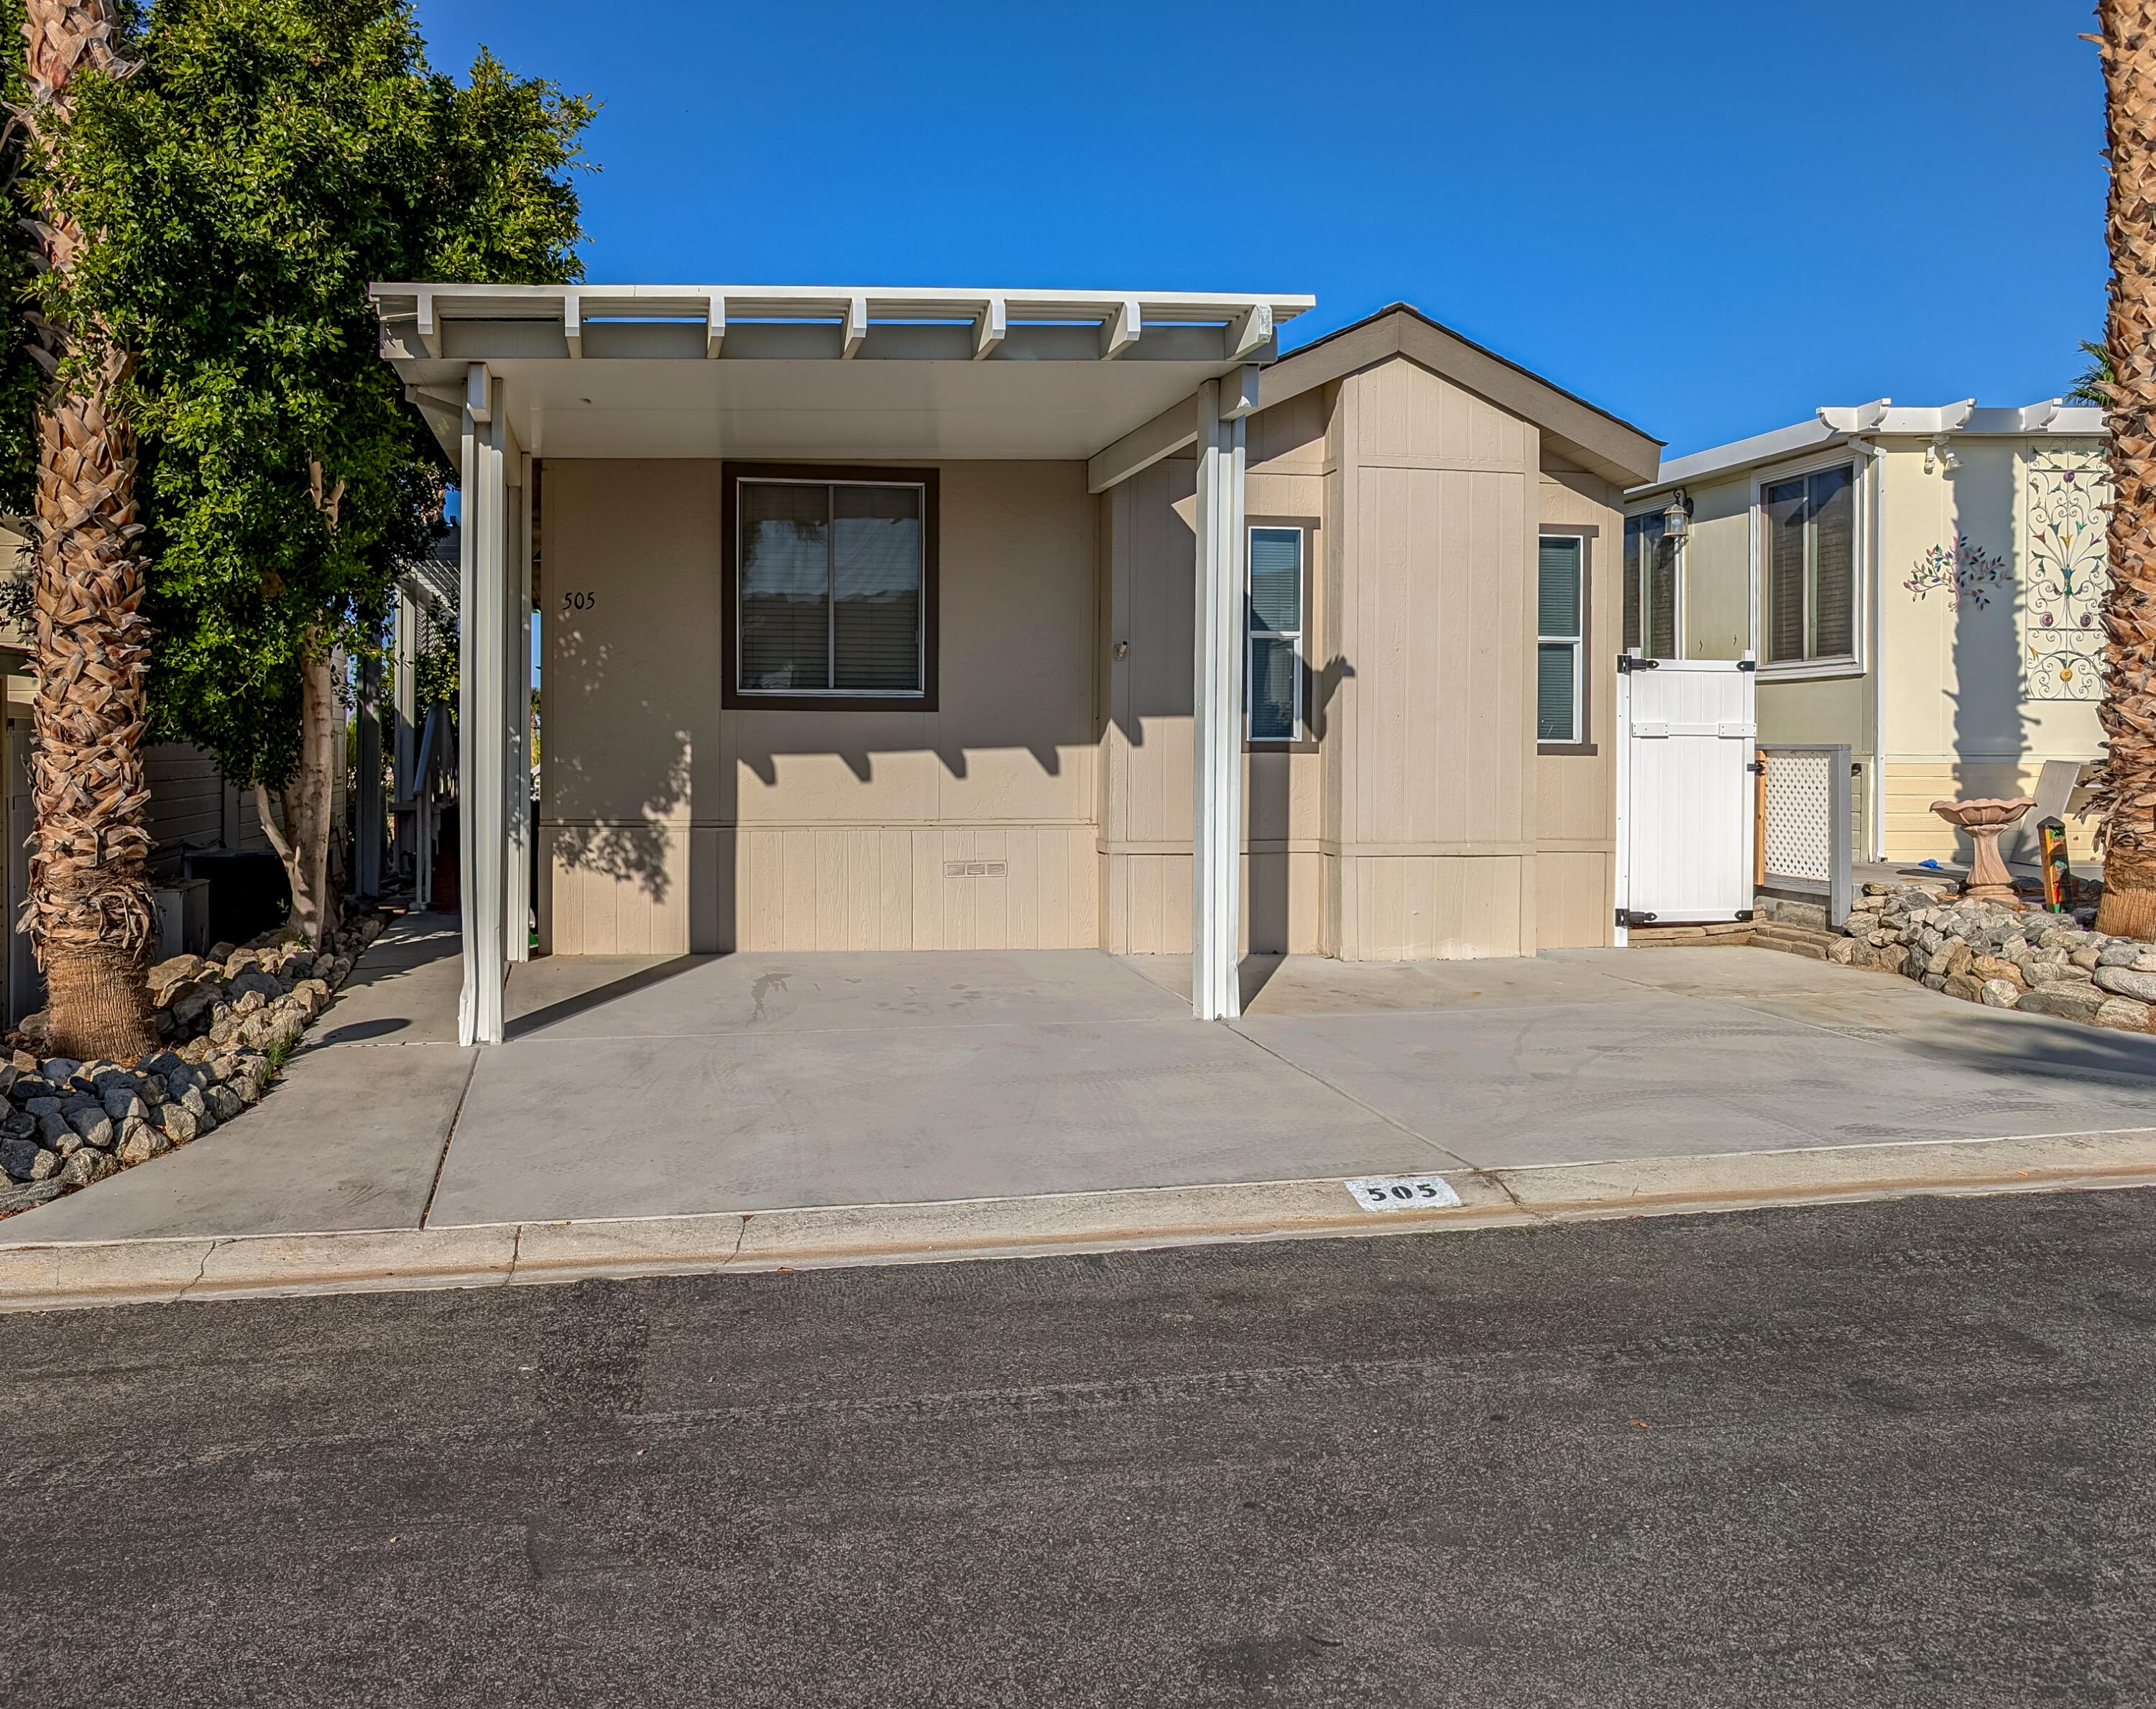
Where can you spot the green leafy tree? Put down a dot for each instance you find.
(268, 160)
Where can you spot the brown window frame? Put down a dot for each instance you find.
(732, 697)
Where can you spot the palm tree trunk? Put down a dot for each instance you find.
(89, 913)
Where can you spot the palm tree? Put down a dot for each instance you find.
(89, 913)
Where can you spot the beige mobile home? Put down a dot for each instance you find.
(1918, 583)
(909, 619)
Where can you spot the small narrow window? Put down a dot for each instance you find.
(1560, 605)
(1807, 529)
(1651, 587)
(1275, 689)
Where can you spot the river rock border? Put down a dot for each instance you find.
(230, 1019)
(2003, 957)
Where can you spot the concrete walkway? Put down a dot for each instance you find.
(706, 1086)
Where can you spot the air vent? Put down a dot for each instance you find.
(975, 869)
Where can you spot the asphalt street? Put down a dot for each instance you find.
(1895, 1454)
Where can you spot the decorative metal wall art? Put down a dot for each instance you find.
(1971, 573)
(2064, 577)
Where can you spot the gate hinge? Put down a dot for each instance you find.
(1744, 913)
(1748, 665)
(1626, 662)
(1756, 766)
(1635, 917)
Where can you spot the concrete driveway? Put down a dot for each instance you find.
(642, 1088)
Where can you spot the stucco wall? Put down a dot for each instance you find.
(670, 824)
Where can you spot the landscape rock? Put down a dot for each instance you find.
(1966, 986)
(2000, 994)
(2124, 1013)
(85, 1167)
(133, 1145)
(94, 1127)
(1997, 967)
(2069, 1000)
(27, 1196)
(2126, 982)
(123, 1106)
(224, 1103)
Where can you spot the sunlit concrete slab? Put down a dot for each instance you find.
(1318, 985)
(812, 991)
(1678, 1076)
(346, 1139)
(557, 1126)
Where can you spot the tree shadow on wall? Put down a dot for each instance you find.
(652, 770)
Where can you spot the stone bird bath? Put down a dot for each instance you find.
(1988, 879)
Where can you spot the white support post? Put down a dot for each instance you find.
(367, 819)
(483, 732)
(518, 887)
(407, 692)
(1216, 717)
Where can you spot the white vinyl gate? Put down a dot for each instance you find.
(1684, 790)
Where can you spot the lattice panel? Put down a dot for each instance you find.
(1800, 815)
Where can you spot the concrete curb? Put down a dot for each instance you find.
(63, 1275)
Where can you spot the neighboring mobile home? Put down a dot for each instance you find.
(1921, 584)
(913, 619)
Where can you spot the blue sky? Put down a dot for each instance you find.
(1707, 218)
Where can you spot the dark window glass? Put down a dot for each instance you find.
(1559, 597)
(1651, 587)
(785, 587)
(1830, 497)
(876, 583)
(1809, 547)
(1276, 620)
(830, 588)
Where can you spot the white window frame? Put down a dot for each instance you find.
(1851, 664)
(1677, 589)
(1295, 637)
(1577, 642)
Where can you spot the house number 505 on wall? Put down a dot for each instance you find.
(579, 601)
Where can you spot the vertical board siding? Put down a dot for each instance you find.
(889, 887)
(1441, 685)
(1433, 727)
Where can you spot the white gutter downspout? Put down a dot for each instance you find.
(1874, 658)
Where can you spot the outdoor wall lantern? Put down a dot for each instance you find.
(1676, 521)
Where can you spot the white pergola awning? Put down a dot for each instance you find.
(818, 370)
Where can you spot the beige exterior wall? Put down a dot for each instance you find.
(669, 824)
(1416, 821)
